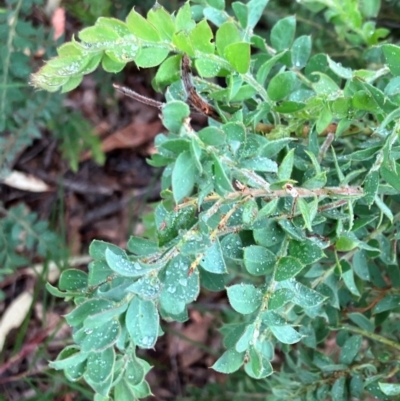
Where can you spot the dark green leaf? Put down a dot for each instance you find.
(258, 260)
(287, 267)
(183, 176)
(392, 56)
(307, 252)
(100, 365)
(229, 362)
(286, 167)
(142, 321)
(174, 115)
(282, 85)
(286, 334)
(282, 33)
(350, 349)
(244, 298)
(221, 179)
(213, 260)
(301, 51)
(73, 279)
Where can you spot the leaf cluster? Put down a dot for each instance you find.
(24, 236)
(288, 200)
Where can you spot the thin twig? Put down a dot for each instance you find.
(140, 98)
(193, 98)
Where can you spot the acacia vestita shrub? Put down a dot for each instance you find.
(288, 200)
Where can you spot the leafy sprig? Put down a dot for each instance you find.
(293, 185)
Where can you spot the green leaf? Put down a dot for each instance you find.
(141, 28)
(213, 260)
(182, 41)
(123, 266)
(100, 365)
(324, 119)
(98, 338)
(87, 308)
(255, 11)
(212, 282)
(151, 57)
(268, 209)
(348, 278)
(183, 19)
(307, 252)
(264, 70)
(179, 288)
(183, 176)
(301, 51)
(371, 184)
(258, 260)
(244, 298)
(287, 267)
(303, 296)
(282, 33)
(259, 163)
(201, 37)
(148, 287)
(392, 177)
(142, 322)
(122, 392)
(392, 56)
(325, 85)
(212, 136)
(99, 35)
(286, 334)
(110, 65)
(221, 179)
(390, 389)
(339, 70)
(141, 246)
(258, 367)
(174, 115)
(232, 247)
(207, 68)
(227, 34)
(306, 212)
(282, 85)
(345, 244)
(217, 17)
(134, 370)
(195, 151)
(286, 167)
(241, 12)
(339, 390)
(280, 298)
(161, 19)
(102, 317)
(250, 211)
(114, 24)
(70, 356)
(350, 349)
(362, 100)
(73, 279)
(361, 321)
(230, 361)
(388, 303)
(238, 55)
(246, 338)
(270, 235)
